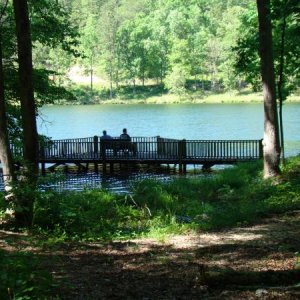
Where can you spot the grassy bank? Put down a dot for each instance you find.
(155, 94)
(232, 197)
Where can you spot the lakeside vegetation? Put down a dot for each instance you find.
(156, 94)
(228, 198)
(233, 197)
(239, 194)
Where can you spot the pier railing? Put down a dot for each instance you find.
(147, 149)
(222, 149)
(71, 148)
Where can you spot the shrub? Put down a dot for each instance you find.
(233, 196)
(175, 80)
(22, 277)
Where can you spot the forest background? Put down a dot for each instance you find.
(153, 51)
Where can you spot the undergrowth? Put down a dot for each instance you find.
(23, 278)
(231, 197)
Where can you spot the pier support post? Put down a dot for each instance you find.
(42, 157)
(96, 152)
(96, 148)
(43, 166)
(207, 167)
(180, 168)
(261, 148)
(182, 155)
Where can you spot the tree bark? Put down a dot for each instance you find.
(91, 75)
(280, 84)
(5, 152)
(28, 110)
(271, 132)
(110, 80)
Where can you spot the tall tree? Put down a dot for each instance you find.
(285, 16)
(110, 22)
(28, 109)
(5, 153)
(271, 132)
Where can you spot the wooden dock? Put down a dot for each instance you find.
(147, 150)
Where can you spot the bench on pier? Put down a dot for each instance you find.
(117, 145)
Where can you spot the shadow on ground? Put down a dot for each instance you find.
(243, 263)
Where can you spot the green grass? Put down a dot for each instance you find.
(22, 277)
(156, 94)
(232, 197)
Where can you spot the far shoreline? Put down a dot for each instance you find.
(222, 98)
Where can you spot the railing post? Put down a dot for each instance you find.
(41, 150)
(103, 154)
(42, 157)
(96, 148)
(261, 148)
(96, 151)
(182, 155)
(159, 145)
(64, 148)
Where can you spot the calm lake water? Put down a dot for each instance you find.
(189, 121)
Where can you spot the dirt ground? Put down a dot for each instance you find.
(254, 262)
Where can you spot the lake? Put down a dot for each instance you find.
(189, 121)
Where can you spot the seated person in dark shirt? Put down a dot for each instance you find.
(125, 136)
(105, 136)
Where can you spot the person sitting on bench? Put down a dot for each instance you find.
(125, 136)
(105, 136)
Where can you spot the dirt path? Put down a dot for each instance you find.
(243, 263)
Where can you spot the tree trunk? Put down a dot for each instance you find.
(110, 81)
(91, 76)
(161, 73)
(133, 85)
(28, 110)
(5, 152)
(280, 84)
(271, 132)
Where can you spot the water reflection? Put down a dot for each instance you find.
(115, 183)
(119, 181)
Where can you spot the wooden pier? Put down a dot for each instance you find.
(147, 150)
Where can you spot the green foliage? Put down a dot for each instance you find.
(285, 21)
(51, 29)
(22, 277)
(231, 197)
(175, 81)
(89, 214)
(129, 42)
(83, 93)
(150, 40)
